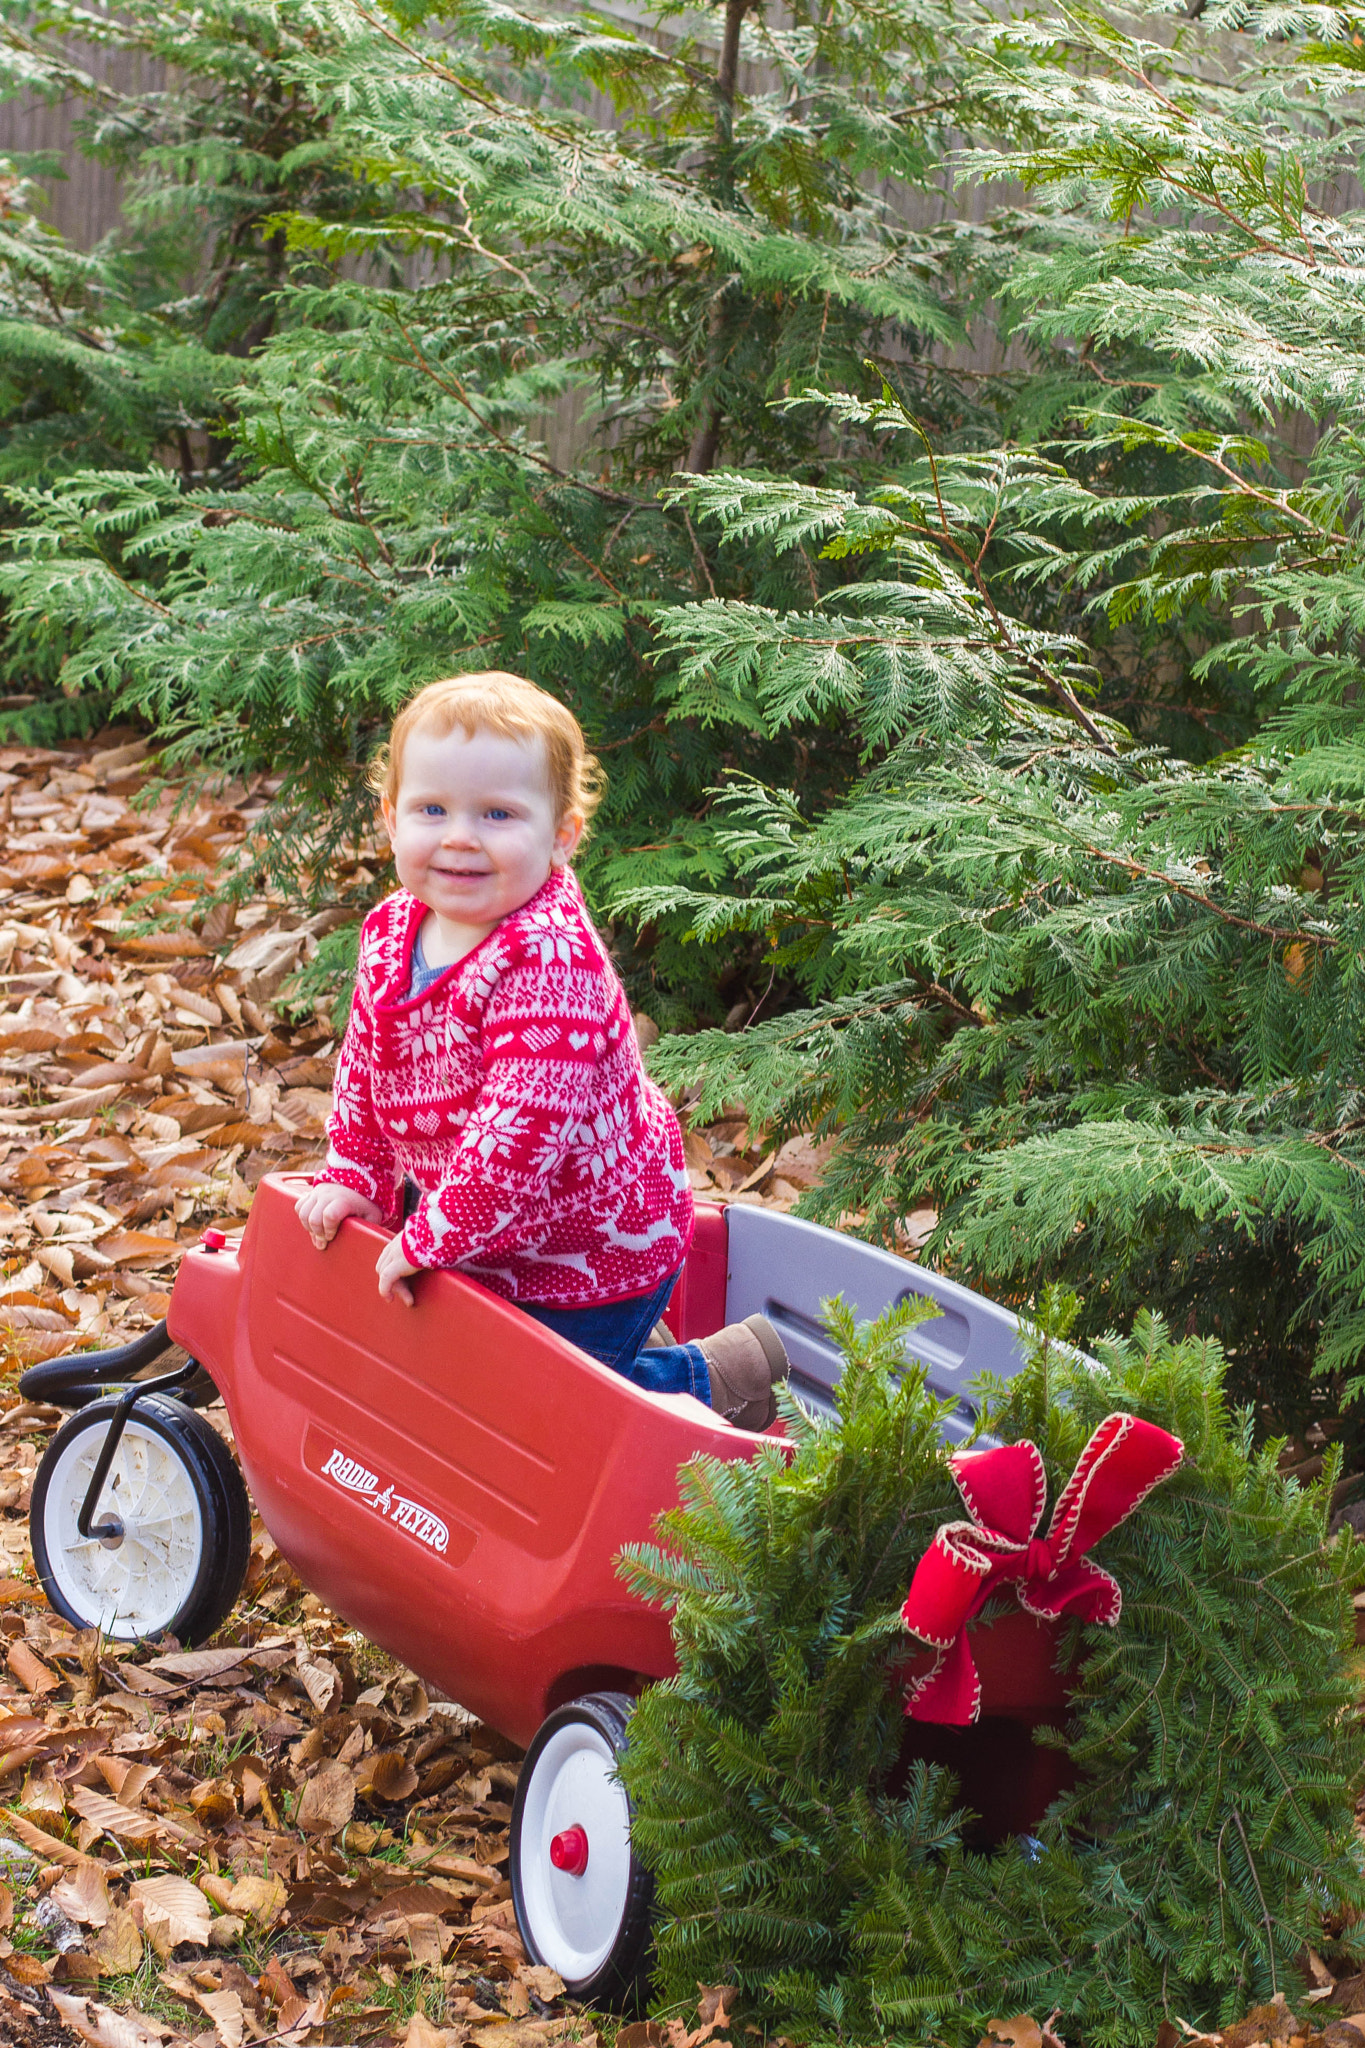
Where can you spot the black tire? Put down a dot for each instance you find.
(178, 1573)
(613, 1960)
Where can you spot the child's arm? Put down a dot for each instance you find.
(539, 1072)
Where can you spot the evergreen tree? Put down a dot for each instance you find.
(81, 378)
(129, 355)
(1097, 1003)
(398, 514)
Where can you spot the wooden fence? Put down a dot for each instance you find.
(84, 204)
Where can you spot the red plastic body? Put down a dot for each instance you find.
(452, 1478)
(457, 1481)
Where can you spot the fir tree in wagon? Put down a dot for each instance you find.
(1122, 1792)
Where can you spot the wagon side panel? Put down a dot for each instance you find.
(696, 1307)
(451, 1478)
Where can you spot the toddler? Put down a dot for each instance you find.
(490, 1058)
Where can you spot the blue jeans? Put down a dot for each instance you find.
(616, 1334)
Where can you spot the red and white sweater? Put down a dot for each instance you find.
(513, 1091)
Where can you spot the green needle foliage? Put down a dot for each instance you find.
(1097, 1003)
(1033, 700)
(747, 221)
(128, 355)
(1209, 1830)
(82, 378)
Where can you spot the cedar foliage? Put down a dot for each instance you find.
(129, 355)
(396, 514)
(1217, 1751)
(1023, 913)
(1097, 1003)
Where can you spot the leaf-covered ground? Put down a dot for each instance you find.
(282, 1837)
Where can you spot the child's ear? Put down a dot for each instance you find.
(390, 817)
(567, 835)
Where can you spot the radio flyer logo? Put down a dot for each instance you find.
(395, 1507)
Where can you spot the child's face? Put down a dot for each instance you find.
(474, 829)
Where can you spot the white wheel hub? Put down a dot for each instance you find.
(134, 1585)
(574, 1852)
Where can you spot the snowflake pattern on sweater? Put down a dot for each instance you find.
(512, 1090)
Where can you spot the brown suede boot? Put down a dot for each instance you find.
(742, 1361)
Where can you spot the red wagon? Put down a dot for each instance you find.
(456, 1481)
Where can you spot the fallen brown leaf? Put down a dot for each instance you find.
(197, 1664)
(27, 1969)
(386, 1776)
(1020, 2032)
(127, 1781)
(44, 1801)
(135, 1250)
(214, 1802)
(84, 1895)
(261, 1899)
(446, 1865)
(320, 1679)
(37, 1838)
(224, 2008)
(102, 2027)
(328, 1800)
(117, 1948)
(547, 1984)
(101, 1815)
(216, 1888)
(74, 1966)
(535, 2034)
(425, 1942)
(421, 2033)
(30, 1670)
(173, 1910)
(416, 1899)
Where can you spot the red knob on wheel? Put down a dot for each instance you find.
(569, 1851)
(214, 1241)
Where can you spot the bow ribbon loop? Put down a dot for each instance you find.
(1004, 1491)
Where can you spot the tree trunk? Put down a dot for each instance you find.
(706, 439)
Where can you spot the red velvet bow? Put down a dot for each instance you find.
(1004, 1491)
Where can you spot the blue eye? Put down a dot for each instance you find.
(494, 812)
(433, 810)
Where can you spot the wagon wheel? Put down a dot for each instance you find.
(176, 1516)
(581, 1894)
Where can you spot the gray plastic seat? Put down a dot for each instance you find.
(784, 1268)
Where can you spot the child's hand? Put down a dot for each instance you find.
(393, 1270)
(323, 1209)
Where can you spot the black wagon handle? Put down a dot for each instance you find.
(71, 1381)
